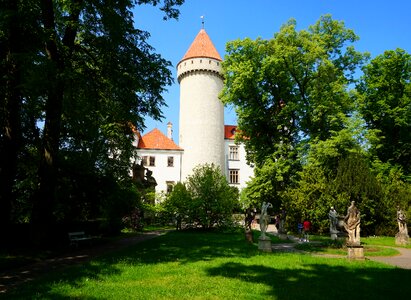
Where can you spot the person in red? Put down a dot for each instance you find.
(306, 228)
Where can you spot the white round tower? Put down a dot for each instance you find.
(201, 112)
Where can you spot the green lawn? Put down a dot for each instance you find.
(199, 265)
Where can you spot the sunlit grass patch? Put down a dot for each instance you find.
(213, 265)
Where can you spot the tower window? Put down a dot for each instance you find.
(234, 176)
(170, 161)
(233, 153)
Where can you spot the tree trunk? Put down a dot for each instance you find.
(44, 198)
(10, 113)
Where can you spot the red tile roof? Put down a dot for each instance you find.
(202, 46)
(229, 132)
(155, 139)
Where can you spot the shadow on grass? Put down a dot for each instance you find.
(312, 281)
(322, 281)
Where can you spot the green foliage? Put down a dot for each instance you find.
(292, 86)
(205, 199)
(117, 201)
(384, 100)
(396, 194)
(296, 114)
(269, 182)
(76, 77)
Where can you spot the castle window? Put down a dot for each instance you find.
(201, 61)
(170, 161)
(148, 161)
(234, 176)
(233, 153)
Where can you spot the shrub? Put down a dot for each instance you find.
(205, 199)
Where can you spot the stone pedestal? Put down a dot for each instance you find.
(334, 235)
(355, 252)
(264, 244)
(249, 236)
(282, 236)
(402, 239)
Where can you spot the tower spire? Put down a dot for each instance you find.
(202, 22)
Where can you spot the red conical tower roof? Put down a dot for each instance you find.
(202, 46)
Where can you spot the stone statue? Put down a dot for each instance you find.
(333, 215)
(282, 221)
(249, 218)
(150, 180)
(402, 222)
(352, 225)
(402, 238)
(143, 180)
(138, 173)
(264, 220)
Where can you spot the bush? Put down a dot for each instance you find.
(205, 199)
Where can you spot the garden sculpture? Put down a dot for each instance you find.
(333, 215)
(402, 222)
(264, 219)
(352, 225)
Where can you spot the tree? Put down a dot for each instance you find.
(384, 100)
(290, 93)
(96, 78)
(180, 205)
(291, 87)
(18, 29)
(205, 198)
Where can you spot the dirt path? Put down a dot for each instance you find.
(15, 277)
(403, 260)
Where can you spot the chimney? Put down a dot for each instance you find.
(170, 130)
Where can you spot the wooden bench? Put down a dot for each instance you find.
(78, 237)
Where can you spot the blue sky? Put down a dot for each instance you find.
(380, 24)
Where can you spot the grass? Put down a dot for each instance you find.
(211, 265)
(382, 241)
(329, 248)
(373, 246)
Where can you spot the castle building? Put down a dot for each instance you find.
(203, 137)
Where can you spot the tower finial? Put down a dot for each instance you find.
(202, 22)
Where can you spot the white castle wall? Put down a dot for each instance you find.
(246, 172)
(161, 171)
(201, 113)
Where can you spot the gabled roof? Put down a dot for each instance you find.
(202, 46)
(229, 132)
(155, 139)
